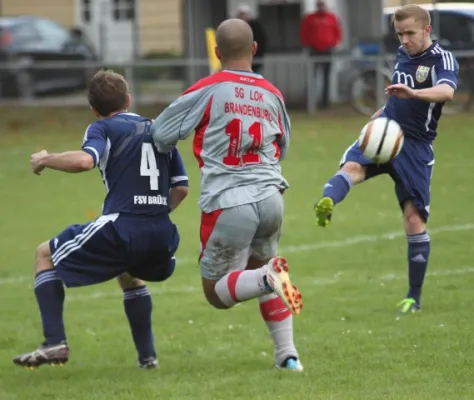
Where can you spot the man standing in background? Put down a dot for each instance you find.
(320, 32)
(244, 12)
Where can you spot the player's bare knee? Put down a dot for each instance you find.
(214, 300)
(126, 281)
(43, 260)
(413, 221)
(208, 287)
(355, 171)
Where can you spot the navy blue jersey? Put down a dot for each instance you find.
(419, 119)
(136, 176)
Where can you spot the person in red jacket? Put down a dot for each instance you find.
(320, 32)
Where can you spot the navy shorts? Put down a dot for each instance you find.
(113, 244)
(411, 171)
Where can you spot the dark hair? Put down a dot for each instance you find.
(107, 92)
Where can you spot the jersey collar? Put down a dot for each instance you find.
(242, 72)
(423, 53)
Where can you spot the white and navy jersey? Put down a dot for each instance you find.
(136, 176)
(435, 66)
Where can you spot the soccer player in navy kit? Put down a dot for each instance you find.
(424, 78)
(133, 240)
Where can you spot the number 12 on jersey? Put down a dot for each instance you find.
(148, 165)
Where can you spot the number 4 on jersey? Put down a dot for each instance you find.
(148, 166)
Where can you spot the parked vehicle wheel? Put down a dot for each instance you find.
(363, 91)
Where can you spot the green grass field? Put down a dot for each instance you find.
(351, 275)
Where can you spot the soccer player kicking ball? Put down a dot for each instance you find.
(424, 78)
(242, 132)
(134, 239)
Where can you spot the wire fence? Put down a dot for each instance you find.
(356, 80)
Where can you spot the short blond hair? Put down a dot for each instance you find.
(414, 11)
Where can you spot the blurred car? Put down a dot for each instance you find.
(25, 41)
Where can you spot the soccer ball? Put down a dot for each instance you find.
(381, 140)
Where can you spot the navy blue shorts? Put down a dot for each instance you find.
(113, 244)
(411, 171)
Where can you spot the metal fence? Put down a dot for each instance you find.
(357, 81)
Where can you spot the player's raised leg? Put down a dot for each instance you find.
(49, 291)
(226, 236)
(352, 171)
(138, 308)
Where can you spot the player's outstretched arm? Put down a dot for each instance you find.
(69, 161)
(180, 119)
(436, 94)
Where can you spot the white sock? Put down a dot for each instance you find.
(239, 286)
(280, 326)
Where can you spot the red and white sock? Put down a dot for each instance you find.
(239, 286)
(280, 326)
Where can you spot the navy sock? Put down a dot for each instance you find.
(49, 291)
(138, 307)
(338, 187)
(418, 254)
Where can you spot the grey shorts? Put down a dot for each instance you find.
(231, 235)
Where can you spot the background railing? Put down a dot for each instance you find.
(357, 81)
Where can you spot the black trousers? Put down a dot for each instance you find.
(323, 67)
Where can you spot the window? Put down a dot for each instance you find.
(52, 32)
(456, 29)
(86, 10)
(24, 33)
(123, 10)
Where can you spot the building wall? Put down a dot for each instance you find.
(160, 26)
(159, 20)
(62, 11)
(393, 3)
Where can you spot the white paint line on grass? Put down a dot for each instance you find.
(319, 282)
(351, 241)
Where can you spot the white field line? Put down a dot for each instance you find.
(318, 282)
(297, 249)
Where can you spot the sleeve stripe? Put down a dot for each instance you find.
(180, 178)
(447, 56)
(85, 134)
(449, 61)
(445, 61)
(96, 153)
(447, 80)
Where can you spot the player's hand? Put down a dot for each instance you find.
(400, 91)
(36, 161)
